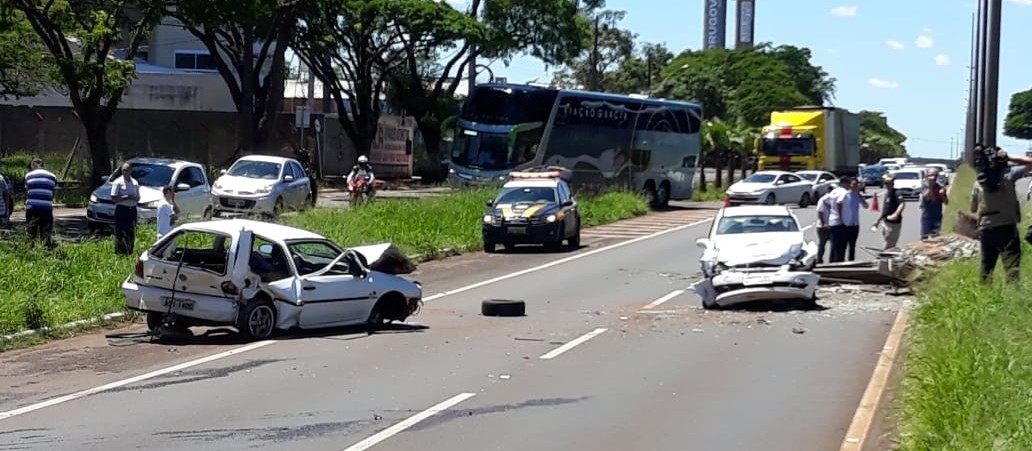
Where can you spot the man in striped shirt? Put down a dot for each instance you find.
(39, 201)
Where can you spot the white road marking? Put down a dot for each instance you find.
(608, 235)
(663, 299)
(565, 260)
(132, 380)
(573, 343)
(409, 422)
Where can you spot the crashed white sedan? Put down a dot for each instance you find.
(260, 277)
(756, 253)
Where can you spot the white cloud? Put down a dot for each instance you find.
(894, 44)
(924, 41)
(942, 59)
(1021, 2)
(844, 11)
(882, 84)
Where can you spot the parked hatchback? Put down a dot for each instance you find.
(262, 184)
(193, 195)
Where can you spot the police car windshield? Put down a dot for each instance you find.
(526, 196)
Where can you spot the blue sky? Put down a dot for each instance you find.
(908, 59)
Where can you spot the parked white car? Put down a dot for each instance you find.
(262, 184)
(756, 253)
(260, 277)
(823, 182)
(771, 187)
(908, 182)
(193, 195)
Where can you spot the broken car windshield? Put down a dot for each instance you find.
(756, 224)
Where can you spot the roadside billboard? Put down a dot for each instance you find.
(714, 24)
(745, 21)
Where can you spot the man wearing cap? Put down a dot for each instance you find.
(891, 219)
(933, 198)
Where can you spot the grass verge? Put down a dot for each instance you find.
(712, 193)
(960, 195)
(48, 288)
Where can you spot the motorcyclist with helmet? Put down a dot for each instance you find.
(363, 169)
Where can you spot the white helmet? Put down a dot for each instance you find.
(363, 159)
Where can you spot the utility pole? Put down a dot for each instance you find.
(992, 72)
(970, 128)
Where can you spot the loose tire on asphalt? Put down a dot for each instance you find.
(503, 307)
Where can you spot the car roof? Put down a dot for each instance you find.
(267, 158)
(756, 210)
(171, 162)
(532, 183)
(268, 230)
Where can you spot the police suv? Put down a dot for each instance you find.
(532, 208)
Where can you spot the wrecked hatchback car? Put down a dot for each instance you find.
(756, 254)
(259, 277)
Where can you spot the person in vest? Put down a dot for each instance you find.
(998, 214)
(933, 199)
(891, 219)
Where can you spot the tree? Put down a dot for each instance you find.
(1018, 123)
(548, 30)
(812, 81)
(247, 42)
(22, 68)
(641, 72)
(878, 139)
(80, 38)
(606, 47)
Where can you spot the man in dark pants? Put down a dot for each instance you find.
(40, 185)
(848, 206)
(825, 205)
(998, 215)
(125, 192)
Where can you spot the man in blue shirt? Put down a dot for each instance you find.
(40, 185)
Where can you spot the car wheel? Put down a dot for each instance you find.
(490, 247)
(278, 208)
(574, 240)
(710, 305)
(662, 196)
(805, 201)
(503, 307)
(257, 319)
(154, 320)
(811, 304)
(308, 202)
(208, 214)
(390, 307)
(770, 199)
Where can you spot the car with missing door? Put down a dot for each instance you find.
(193, 194)
(261, 277)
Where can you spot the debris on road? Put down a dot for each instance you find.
(503, 307)
(901, 266)
(798, 330)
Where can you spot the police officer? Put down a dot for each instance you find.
(998, 214)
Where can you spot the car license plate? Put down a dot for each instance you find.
(236, 202)
(178, 304)
(518, 230)
(757, 280)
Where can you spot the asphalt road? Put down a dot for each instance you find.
(670, 377)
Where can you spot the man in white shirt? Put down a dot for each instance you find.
(168, 211)
(825, 209)
(125, 193)
(848, 205)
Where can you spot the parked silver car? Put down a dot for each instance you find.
(262, 184)
(193, 195)
(823, 182)
(772, 188)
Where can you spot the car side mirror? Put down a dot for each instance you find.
(703, 243)
(182, 187)
(265, 249)
(568, 203)
(288, 178)
(490, 202)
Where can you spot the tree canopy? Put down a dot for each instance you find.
(878, 139)
(1018, 123)
(22, 67)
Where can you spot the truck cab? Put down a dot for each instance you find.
(810, 138)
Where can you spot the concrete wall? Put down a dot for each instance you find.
(204, 92)
(168, 37)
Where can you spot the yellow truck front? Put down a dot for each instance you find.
(810, 138)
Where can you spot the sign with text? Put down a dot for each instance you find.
(391, 150)
(745, 20)
(714, 24)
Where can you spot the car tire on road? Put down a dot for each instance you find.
(770, 199)
(574, 241)
(257, 320)
(490, 247)
(503, 307)
(804, 201)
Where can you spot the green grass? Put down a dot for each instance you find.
(712, 193)
(968, 369)
(45, 288)
(960, 195)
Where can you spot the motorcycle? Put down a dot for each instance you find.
(360, 191)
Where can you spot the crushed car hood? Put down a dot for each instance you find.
(385, 258)
(772, 248)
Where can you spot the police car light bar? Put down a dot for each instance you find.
(535, 175)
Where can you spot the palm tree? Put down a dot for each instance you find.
(715, 143)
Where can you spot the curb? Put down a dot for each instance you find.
(73, 324)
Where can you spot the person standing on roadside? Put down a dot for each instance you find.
(6, 202)
(891, 219)
(40, 185)
(933, 199)
(848, 205)
(168, 211)
(998, 214)
(825, 208)
(125, 193)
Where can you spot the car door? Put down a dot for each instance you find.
(302, 184)
(193, 201)
(569, 212)
(192, 261)
(333, 292)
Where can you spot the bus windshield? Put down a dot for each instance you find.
(795, 147)
(488, 151)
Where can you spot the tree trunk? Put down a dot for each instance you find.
(745, 167)
(732, 158)
(431, 132)
(100, 154)
(702, 176)
(718, 158)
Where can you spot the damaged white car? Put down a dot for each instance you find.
(756, 254)
(260, 277)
